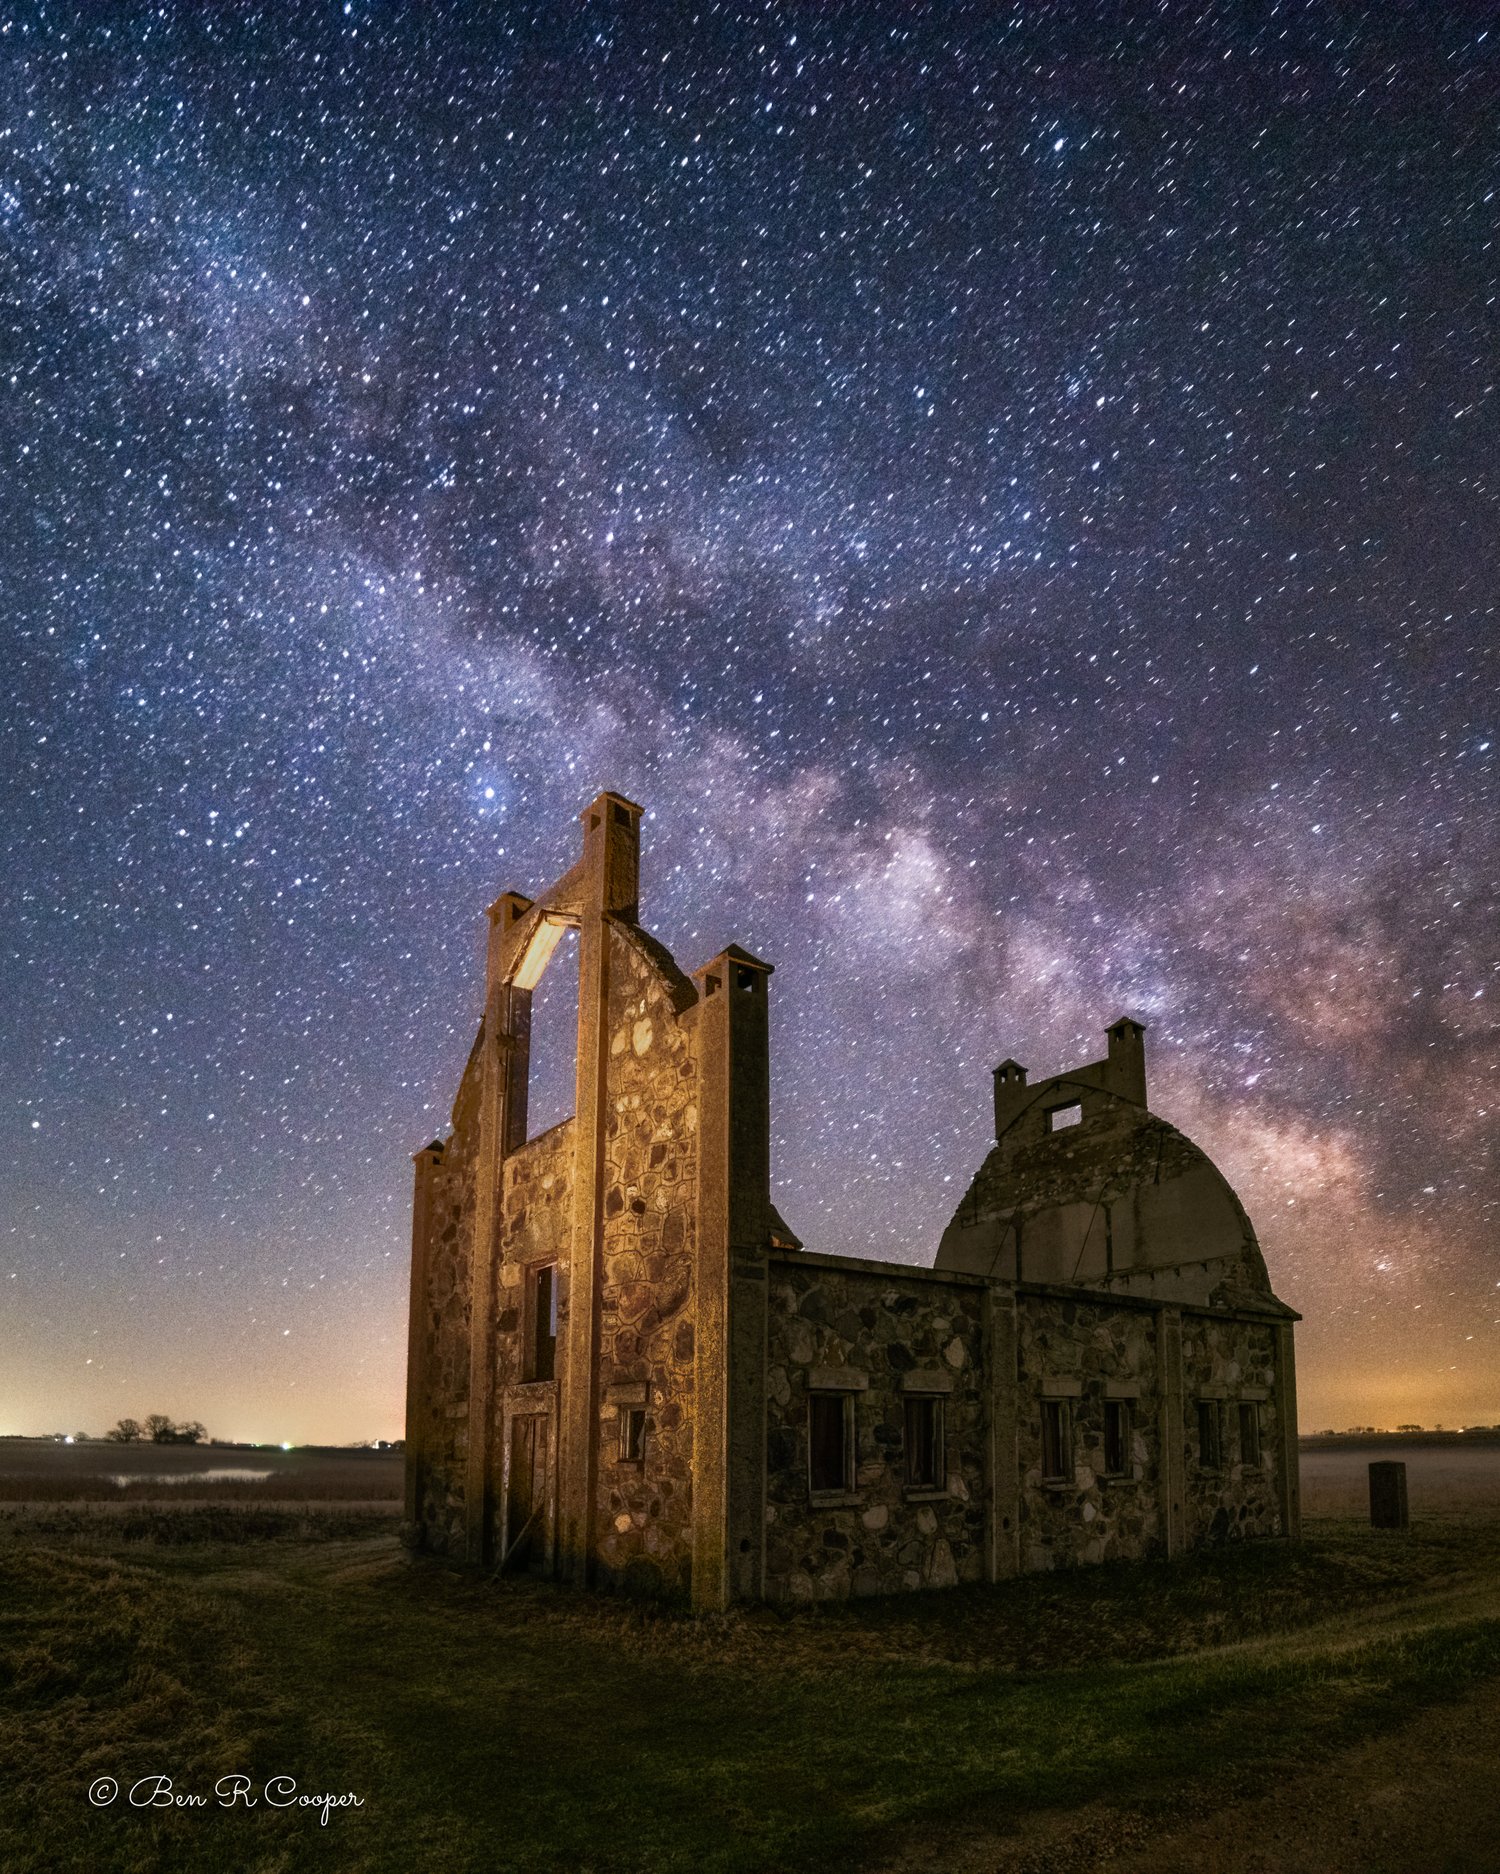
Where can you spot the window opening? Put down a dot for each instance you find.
(1116, 1437)
(543, 1362)
(829, 1445)
(1057, 1441)
(1249, 1432)
(552, 1055)
(924, 1443)
(1062, 1117)
(1210, 1435)
(632, 1434)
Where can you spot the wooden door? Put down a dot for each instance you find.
(528, 1507)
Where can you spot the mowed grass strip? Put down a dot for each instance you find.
(514, 1726)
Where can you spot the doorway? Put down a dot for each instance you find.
(528, 1494)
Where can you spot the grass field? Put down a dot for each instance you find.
(495, 1726)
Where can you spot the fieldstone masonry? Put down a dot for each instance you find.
(624, 1370)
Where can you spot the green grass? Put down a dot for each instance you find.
(513, 1726)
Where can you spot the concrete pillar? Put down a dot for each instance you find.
(1288, 1467)
(504, 914)
(1125, 1060)
(1002, 1383)
(504, 1044)
(609, 878)
(1171, 1431)
(730, 1294)
(1011, 1094)
(425, 1164)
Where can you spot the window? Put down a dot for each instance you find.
(1210, 1435)
(543, 1322)
(1249, 1433)
(925, 1468)
(829, 1444)
(1057, 1441)
(1116, 1437)
(632, 1434)
(1062, 1116)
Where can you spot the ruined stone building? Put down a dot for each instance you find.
(625, 1369)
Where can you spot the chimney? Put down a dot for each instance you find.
(612, 853)
(1011, 1094)
(1125, 1068)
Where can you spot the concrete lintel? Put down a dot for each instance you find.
(836, 1379)
(923, 1379)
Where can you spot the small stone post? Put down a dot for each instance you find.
(1388, 1495)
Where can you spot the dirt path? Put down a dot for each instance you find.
(1422, 1800)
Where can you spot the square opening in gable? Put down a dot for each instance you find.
(1061, 1117)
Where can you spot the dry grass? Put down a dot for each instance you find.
(515, 1728)
(496, 1726)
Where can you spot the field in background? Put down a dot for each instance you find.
(38, 1470)
(1442, 1474)
(1442, 1478)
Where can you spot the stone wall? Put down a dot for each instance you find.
(859, 1319)
(1083, 1353)
(644, 1511)
(536, 1222)
(1228, 1362)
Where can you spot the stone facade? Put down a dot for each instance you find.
(625, 1371)
(888, 1336)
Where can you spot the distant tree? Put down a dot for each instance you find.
(190, 1432)
(160, 1429)
(1408, 1428)
(126, 1432)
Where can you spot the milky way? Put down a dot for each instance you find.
(1012, 492)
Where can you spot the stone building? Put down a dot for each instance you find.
(625, 1370)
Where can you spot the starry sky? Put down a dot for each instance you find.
(1011, 489)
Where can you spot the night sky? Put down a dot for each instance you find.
(1012, 490)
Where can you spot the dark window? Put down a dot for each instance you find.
(924, 1443)
(1057, 1441)
(1062, 1116)
(633, 1434)
(1116, 1437)
(828, 1441)
(1210, 1435)
(1249, 1432)
(543, 1362)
